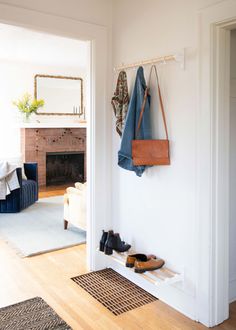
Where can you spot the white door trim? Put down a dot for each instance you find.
(98, 132)
(213, 163)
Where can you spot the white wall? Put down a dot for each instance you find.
(232, 228)
(156, 213)
(23, 54)
(91, 11)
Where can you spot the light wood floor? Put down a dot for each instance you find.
(48, 276)
(53, 190)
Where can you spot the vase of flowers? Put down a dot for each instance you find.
(27, 105)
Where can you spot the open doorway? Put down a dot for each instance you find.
(48, 275)
(213, 163)
(49, 147)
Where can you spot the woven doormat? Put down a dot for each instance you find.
(31, 314)
(114, 291)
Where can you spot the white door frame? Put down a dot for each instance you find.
(98, 155)
(212, 175)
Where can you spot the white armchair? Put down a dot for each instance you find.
(75, 209)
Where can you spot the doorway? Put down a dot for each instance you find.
(49, 150)
(213, 163)
(98, 160)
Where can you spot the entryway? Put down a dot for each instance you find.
(98, 136)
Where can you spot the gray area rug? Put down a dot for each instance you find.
(31, 314)
(39, 228)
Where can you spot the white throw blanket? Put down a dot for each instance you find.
(8, 179)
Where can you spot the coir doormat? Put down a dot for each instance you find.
(31, 314)
(114, 291)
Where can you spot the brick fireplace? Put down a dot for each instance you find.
(37, 143)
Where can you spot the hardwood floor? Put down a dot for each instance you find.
(48, 276)
(53, 190)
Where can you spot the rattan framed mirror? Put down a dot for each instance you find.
(62, 95)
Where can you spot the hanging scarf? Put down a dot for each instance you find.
(120, 101)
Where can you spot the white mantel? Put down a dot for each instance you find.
(52, 125)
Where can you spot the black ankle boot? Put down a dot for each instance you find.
(114, 243)
(103, 240)
(121, 246)
(110, 236)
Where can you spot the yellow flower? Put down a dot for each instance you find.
(27, 105)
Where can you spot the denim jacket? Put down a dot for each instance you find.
(125, 152)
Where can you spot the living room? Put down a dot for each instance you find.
(46, 147)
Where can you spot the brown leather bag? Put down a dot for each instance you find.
(151, 152)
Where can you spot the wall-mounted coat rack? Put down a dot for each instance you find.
(178, 57)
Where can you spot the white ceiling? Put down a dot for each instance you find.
(19, 44)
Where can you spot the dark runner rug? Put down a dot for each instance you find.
(114, 291)
(32, 314)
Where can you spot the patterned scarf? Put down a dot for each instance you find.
(120, 101)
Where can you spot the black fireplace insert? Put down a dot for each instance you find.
(64, 167)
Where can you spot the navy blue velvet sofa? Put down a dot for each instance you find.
(26, 195)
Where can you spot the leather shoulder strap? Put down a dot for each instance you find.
(141, 112)
(160, 99)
